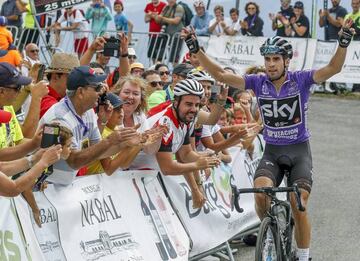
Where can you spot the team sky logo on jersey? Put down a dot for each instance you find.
(293, 89)
(265, 89)
(281, 113)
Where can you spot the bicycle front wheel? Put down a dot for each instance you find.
(268, 242)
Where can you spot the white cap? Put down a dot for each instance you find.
(199, 3)
(131, 51)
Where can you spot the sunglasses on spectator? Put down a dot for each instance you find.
(34, 51)
(17, 88)
(155, 83)
(132, 57)
(97, 88)
(163, 73)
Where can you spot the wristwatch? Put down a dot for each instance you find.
(30, 161)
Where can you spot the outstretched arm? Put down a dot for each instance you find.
(212, 67)
(337, 61)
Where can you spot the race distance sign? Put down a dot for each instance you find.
(45, 6)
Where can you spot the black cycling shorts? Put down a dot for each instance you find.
(295, 159)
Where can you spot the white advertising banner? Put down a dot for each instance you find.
(122, 217)
(12, 244)
(218, 216)
(350, 73)
(242, 52)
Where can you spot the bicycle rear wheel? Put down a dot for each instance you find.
(268, 242)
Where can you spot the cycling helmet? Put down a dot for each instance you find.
(188, 87)
(277, 45)
(200, 76)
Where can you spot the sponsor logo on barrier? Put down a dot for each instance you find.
(281, 113)
(98, 211)
(43, 6)
(48, 215)
(49, 246)
(107, 245)
(238, 48)
(8, 249)
(251, 166)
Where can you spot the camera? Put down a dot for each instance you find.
(111, 47)
(102, 100)
(51, 136)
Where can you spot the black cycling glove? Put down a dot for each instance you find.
(345, 37)
(192, 44)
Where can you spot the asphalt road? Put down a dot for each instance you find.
(335, 202)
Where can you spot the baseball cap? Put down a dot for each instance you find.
(9, 75)
(3, 21)
(131, 51)
(198, 3)
(114, 100)
(299, 5)
(5, 116)
(83, 76)
(182, 69)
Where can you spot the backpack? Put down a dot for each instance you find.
(188, 14)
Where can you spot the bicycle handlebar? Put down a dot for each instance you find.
(270, 191)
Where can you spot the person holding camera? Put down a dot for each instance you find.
(99, 15)
(76, 113)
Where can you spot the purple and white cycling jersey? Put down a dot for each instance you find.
(284, 114)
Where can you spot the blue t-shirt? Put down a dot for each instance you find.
(284, 114)
(121, 22)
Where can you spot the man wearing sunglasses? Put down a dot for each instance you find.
(75, 111)
(154, 91)
(32, 56)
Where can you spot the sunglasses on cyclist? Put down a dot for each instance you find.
(163, 73)
(155, 84)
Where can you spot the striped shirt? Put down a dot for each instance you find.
(85, 133)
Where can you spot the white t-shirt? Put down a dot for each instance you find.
(235, 26)
(207, 131)
(75, 17)
(219, 29)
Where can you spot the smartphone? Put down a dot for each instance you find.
(41, 73)
(51, 136)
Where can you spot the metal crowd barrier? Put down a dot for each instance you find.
(15, 31)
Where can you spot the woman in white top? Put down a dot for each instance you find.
(219, 23)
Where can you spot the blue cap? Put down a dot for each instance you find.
(114, 100)
(3, 21)
(299, 5)
(9, 75)
(83, 76)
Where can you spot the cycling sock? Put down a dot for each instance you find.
(302, 254)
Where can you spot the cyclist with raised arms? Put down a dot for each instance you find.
(283, 100)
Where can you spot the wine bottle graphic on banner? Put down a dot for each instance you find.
(160, 246)
(160, 225)
(181, 250)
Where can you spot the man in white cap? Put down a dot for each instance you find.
(132, 55)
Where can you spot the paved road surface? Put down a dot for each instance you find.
(335, 201)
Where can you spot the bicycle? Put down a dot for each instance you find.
(274, 241)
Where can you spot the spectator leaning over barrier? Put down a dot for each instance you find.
(332, 20)
(234, 27)
(201, 20)
(252, 25)
(218, 24)
(12, 13)
(278, 20)
(178, 117)
(151, 10)
(99, 15)
(171, 19)
(293, 141)
(76, 113)
(13, 188)
(76, 23)
(299, 25)
(355, 16)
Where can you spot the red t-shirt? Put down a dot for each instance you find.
(49, 100)
(154, 26)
